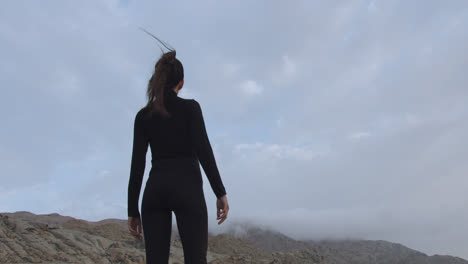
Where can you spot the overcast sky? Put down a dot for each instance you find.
(328, 119)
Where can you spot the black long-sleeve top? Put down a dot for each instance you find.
(184, 134)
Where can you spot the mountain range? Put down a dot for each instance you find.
(53, 238)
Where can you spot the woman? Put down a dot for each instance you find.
(174, 129)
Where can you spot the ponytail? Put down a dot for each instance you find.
(168, 72)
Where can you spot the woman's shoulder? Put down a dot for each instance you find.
(191, 102)
(142, 113)
(194, 106)
(142, 110)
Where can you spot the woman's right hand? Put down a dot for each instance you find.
(222, 208)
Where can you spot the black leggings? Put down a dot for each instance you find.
(175, 185)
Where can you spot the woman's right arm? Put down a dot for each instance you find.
(204, 151)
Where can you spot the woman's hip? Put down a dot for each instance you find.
(173, 188)
(173, 195)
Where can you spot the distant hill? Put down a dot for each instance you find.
(342, 251)
(53, 238)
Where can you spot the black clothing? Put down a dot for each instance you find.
(180, 136)
(173, 186)
(175, 182)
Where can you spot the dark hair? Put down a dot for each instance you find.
(168, 72)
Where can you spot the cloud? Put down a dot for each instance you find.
(289, 67)
(318, 112)
(359, 135)
(277, 151)
(251, 87)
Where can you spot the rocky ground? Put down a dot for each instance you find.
(53, 238)
(29, 238)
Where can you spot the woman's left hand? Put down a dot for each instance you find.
(134, 225)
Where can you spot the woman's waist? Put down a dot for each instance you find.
(179, 170)
(175, 162)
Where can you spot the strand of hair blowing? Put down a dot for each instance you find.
(167, 74)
